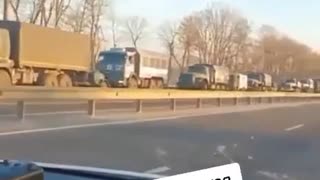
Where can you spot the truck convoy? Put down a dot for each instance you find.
(41, 56)
(205, 76)
(35, 55)
(126, 67)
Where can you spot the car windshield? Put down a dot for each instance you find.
(162, 87)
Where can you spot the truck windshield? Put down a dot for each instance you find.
(291, 81)
(197, 69)
(254, 76)
(112, 58)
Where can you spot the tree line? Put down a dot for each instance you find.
(221, 35)
(217, 34)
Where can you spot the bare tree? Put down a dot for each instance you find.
(5, 9)
(115, 25)
(77, 17)
(15, 5)
(86, 18)
(96, 11)
(48, 12)
(187, 38)
(168, 34)
(61, 7)
(36, 10)
(219, 34)
(136, 27)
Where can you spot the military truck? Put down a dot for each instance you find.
(204, 76)
(128, 67)
(259, 81)
(307, 85)
(291, 85)
(35, 55)
(316, 85)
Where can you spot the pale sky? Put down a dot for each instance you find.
(298, 18)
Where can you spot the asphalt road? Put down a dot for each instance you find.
(275, 144)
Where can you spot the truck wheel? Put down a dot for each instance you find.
(103, 84)
(48, 80)
(132, 83)
(64, 80)
(160, 83)
(5, 79)
(152, 84)
(204, 85)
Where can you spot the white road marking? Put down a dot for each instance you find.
(80, 126)
(157, 170)
(274, 176)
(294, 127)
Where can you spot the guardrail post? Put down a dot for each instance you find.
(219, 102)
(173, 104)
(235, 101)
(249, 100)
(260, 100)
(139, 106)
(270, 100)
(20, 110)
(199, 103)
(92, 108)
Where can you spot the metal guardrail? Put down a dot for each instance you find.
(91, 95)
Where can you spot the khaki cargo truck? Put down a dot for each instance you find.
(35, 55)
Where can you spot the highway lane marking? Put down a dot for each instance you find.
(294, 127)
(157, 170)
(81, 126)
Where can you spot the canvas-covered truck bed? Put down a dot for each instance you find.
(42, 47)
(4, 45)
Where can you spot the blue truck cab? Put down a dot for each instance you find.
(117, 64)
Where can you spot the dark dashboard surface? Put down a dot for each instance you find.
(12, 170)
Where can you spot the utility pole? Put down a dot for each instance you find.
(5, 9)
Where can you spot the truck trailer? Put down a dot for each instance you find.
(36, 55)
(259, 81)
(238, 81)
